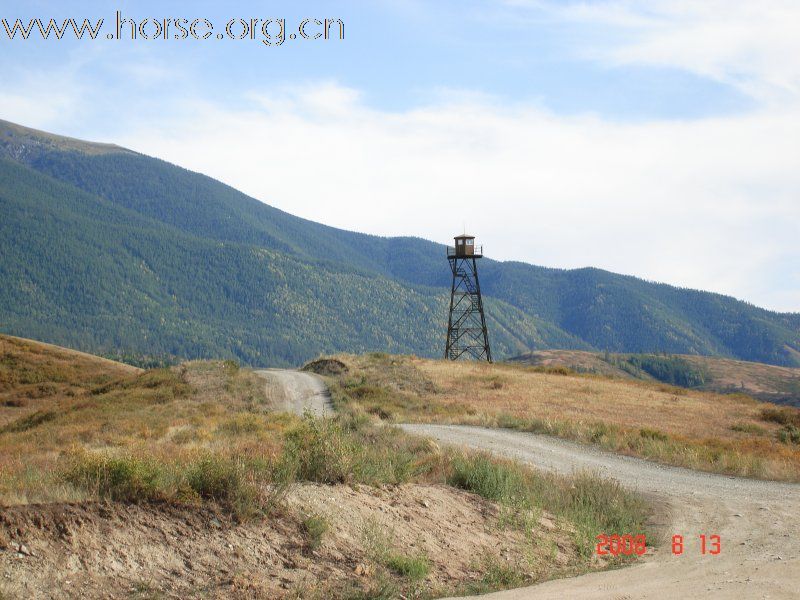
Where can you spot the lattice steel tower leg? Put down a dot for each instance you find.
(466, 328)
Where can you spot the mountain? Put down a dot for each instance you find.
(110, 251)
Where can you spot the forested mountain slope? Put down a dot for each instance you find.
(112, 251)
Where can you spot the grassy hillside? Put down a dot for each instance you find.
(35, 376)
(780, 385)
(700, 430)
(111, 251)
(197, 468)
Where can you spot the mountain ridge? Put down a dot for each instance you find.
(381, 299)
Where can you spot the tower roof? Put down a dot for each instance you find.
(464, 236)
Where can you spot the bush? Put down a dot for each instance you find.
(653, 434)
(781, 416)
(123, 478)
(314, 527)
(789, 435)
(319, 450)
(29, 422)
(326, 366)
(224, 480)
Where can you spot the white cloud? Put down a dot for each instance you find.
(709, 204)
(753, 45)
(42, 99)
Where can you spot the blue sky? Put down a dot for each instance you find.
(659, 138)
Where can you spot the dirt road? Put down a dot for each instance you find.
(301, 392)
(758, 522)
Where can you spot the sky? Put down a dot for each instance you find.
(653, 138)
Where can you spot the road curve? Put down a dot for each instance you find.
(301, 392)
(758, 522)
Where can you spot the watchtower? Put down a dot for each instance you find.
(466, 327)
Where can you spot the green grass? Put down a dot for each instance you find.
(591, 503)
(133, 479)
(790, 434)
(121, 478)
(415, 567)
(314, 527)
(653, 434)
(750, 428)
(498, 576)
(481, 474)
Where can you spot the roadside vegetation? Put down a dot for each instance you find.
(731, 434)
(206, 434)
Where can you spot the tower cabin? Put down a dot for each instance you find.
(465, 247)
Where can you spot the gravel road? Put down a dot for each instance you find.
(758, 522)
(301, 392)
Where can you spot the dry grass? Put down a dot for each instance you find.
(723, 375)
(208, 432)
(115, 432)
(701, 430)
(34, 376)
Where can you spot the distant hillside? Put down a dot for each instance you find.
(113, 252)
(34, 376)
(765, 382)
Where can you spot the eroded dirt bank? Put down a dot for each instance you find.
(96, 550)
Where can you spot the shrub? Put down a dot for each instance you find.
(653, 434)
(224, 480)
(314, 527)
(789, 435)
(29, 422)
(319, 450)
(326, 366)
(123, 478)
(781, 416)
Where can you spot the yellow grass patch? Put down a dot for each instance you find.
(702, 430)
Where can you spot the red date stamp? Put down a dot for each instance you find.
(709, 544)
(621, 545)
(629, 545)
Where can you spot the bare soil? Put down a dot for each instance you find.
(92, 550)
